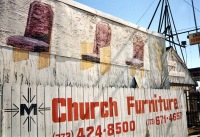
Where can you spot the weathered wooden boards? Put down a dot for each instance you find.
(61, 71)
(76, 111)
(70, 71)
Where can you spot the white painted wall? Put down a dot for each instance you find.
(74, 24)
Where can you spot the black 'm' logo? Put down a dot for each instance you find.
(28, 108)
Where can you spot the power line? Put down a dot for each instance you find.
(191, 5)
(145, 12)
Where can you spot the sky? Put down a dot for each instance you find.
(140, 12)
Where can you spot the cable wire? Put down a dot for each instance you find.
(145, 12)
(191, 5)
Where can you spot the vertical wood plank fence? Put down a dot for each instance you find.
(43, 111)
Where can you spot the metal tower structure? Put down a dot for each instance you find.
(167, 26)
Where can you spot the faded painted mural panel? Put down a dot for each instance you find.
(66, 43)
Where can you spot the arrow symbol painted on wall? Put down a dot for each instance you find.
(16, 109)
(30, 99)
(27, 109)
(29, 118)
(40, 109)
